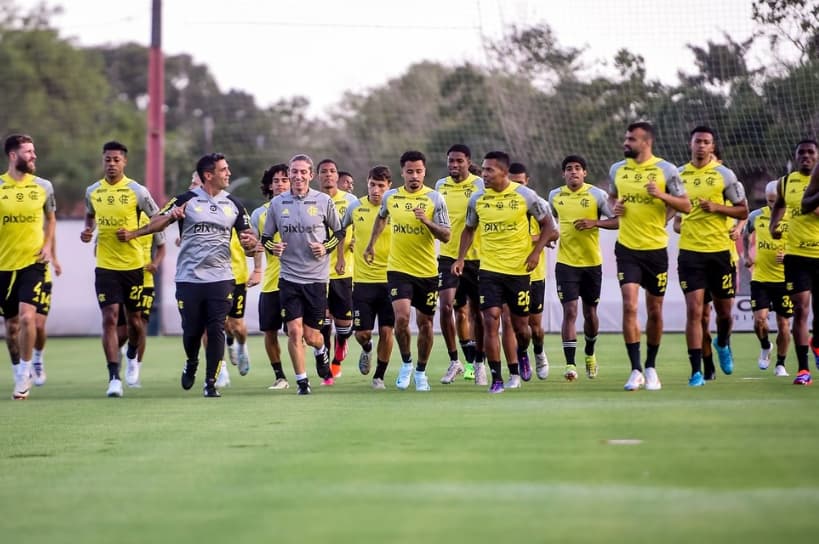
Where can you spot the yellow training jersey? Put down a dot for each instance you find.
(642, 227)
(503, 219)
(456, 195)
(765, 266)
(412, 248)
(343, 201)
(579, 248)
(803, 229)
(270, 281)
(23, 207)
(238, 259)
(702, 231)
(116, 206)
(361, 217)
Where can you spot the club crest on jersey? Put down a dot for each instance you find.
(312, 211)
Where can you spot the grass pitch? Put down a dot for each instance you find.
(730, 462)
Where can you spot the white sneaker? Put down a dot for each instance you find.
(421, 381)
(38, 373)
(223, 378)
(635, 381)
(779, 371)
(541, 365)
(404, 375)
(132, 372)
(456, 368)
(764, 359)
(244, 362)
(233, 353)
(652, 380)
(513, 382)
(22, 381)
(378, 383)
(280, 383)
(114, 388)
(480, 375)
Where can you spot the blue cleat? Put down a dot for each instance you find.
(696, 380)
(726, 358)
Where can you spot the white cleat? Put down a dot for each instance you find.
(22, 381)
(114, 388)
(223, 378)
(652, 380)
(635, 381)
(132, 372)
(404, 375)
(233, 353)
(513, 382)
(244, 363)
(779, 371)
(456, 368)
(279, 384)
(480, 375)
(38, 374)
(764, 360)
(378, 384)
(541, 365)
(421, 381)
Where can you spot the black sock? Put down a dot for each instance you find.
(695, 358)
(708, 365)
(421, 366)
(633, 350)
(802, 357)
(368, 347)
(453, 355)
(569, 350)
(406, 358)
(325, 333)
(131, 351)
(780, 360)
(537, 348)
(229, 339)
(521, 354)
(278, 370)
(495, 369)
(651, 356)
(113, 370)
(468, 347)
(514, 369)
(479, 356)
(590, 343)
(765, 343)
(380, 369)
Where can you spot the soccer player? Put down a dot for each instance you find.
(204, 277)
(27, 208)
(275, 181)
(418, 216)
(454, 291)
(768, 282)
(308, 224)
(705, 261)
(345, 181)
(643, 188)
(113, 203)
(371, 295)
(798, 197)
(154, 250)
(340, 294)
(501, 211)
(582, 210)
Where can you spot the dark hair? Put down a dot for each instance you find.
(380, 173)
(345, 173)
(267, 177)
(644, 125)
(573, 158)
(412, 156)
(517, 168)
(14, 141)
(326, 161)
(474, 169)
(460, 148)
(809, 141)
(703, 128)
(208, 164)
(114, 145)
(499, 156)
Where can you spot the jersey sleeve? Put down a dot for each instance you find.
(347, 220)
(255, 218)
(176, 202)
(472, 210)
(535, 206)
(50, 204)
(89, 207)
(440, 214)
(145, 202)
(603, 208)
(384, 211)
(673, 182)
(550, 215)
(612, 176)
(734, 191)
(551, 200)
(242, 222)
(750, 225)
(158, 239)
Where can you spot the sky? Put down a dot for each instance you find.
(322, 48)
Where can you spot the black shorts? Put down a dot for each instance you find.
(371, 300)
(537, 295)
(119, 287)
(201, 304)
(270, 311)
(771, 295)
(24, 285)
(307, 301)
(801, 274)
(466, 286)
(340, 298)
(499, 289)
(147, 304)
(710, 271)
(237, 306)
(582, 282)
(648, 268)
(422, 292)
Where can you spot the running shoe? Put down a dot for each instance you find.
(571, 373)
(652, 380)
(635, 381)
(696, 380)
(525, 367)
(591, 366)
(455, 369)
(726, 358)
(404, 376)
(803, 378)
(541, 365)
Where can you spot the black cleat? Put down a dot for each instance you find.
(304, 387)
(188, 376)
(210, 391)
(323, 366)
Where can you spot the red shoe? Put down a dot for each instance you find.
(803, 378)
(341, 350)
(335, 368)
